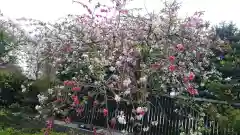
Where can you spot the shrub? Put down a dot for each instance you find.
(10, 83)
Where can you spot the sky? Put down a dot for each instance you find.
(50, 10)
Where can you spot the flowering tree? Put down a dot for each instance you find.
(11, 37)
(126, 57)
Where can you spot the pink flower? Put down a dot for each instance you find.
(67, 120)
(155, 66)
(75, 100)
(95, 103)
(171, 58)
(76, 89)
(68, 83)
(172, 67)
(180, 47)
(94, 131)
(185, 79)
(79, 111)
(105, 112)
(67, 48)
(192, 91)
(113, 122)
(140, 110)
(191, 76)
(49, 124)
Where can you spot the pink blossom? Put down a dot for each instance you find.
(67, 120)
(192, 91)
(171, 58)
(75, 100)
(180, 47)
(191, 76)
(172, 67)
(76, 89)
(105, 112)
(69, 83)
(113, 122)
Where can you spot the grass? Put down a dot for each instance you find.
(17, 124)
(12, 131)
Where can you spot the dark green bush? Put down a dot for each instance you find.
(10, 84)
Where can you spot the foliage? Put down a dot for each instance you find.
(227, 62)
(10, 83)
(17, 124)
(228, 31)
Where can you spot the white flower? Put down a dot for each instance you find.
(202, 84)
(90, 67)
(97, 60)
(126, 82)
(154, 123)
(115, 77)
(38, 107)
(173, 94)
(42, 98)
(127, 92)
(23, 88)
(50, 91)
(117, 98)
(118, 63)
(145, 129)
(129, 59)
(85, 55)
(228, 79)
(112, 68)
(121, 119)
(143, 79)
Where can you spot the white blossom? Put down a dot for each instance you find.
(121, 118)
(50, 91)
(173, 94)
(143, 79)
(112, 68)
(23, 88)
(117, 98)
(228, 79)
(42, 98)
(118, 63)
(127, 92)
(38, 107)
(126, 82)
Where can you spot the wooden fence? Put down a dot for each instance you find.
(164, 117)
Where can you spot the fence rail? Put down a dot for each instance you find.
(164, 117)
